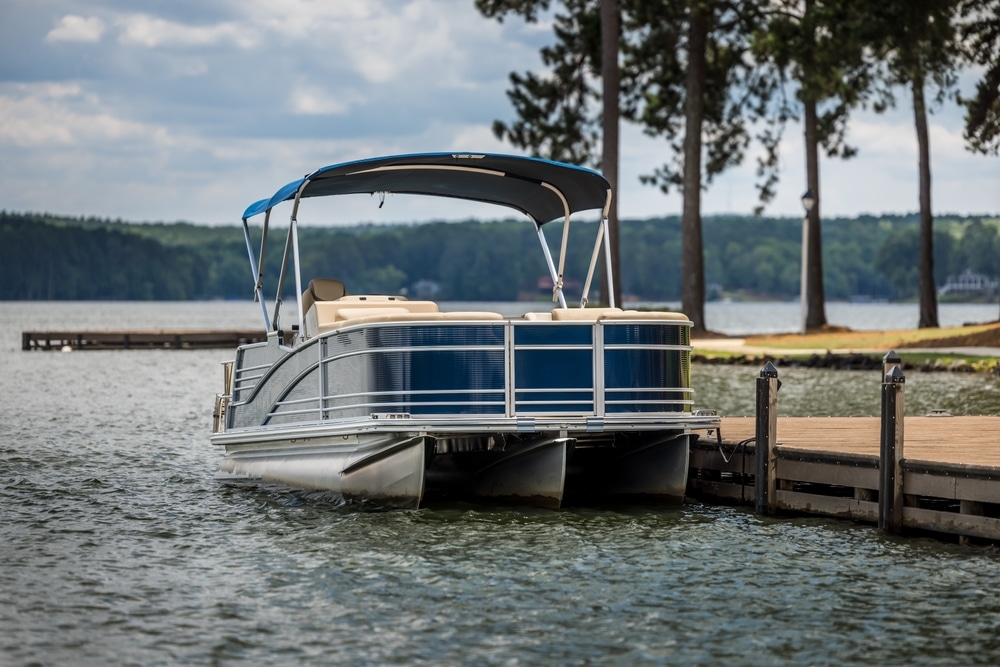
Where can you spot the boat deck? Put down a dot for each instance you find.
(971, 441)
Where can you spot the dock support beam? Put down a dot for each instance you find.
(890, 488)
(766, 439)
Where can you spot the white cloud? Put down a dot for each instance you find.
(201, 108)
(45, 116)
(153, 32)
(387, 41)
(299, 19)
(309, 100)
(72, 28)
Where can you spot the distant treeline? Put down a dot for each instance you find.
(49, 257)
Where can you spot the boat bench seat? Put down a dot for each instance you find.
(322, 289)
(321, 315)
(466, 316)
(354, 316)
(648, 315)
(583, 314)
(601, 314)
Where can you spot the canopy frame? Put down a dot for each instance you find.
(512, 181)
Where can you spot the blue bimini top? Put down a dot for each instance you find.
(542, 189)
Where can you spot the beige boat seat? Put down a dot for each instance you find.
(602, 314)
(374, 316)
(648, 315)
(584, 314)
(326, 315)
(322, 289)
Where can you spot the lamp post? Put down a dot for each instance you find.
(808, 201)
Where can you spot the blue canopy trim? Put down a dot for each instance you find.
(504, 180)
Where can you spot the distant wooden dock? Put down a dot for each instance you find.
(148, 339)
(925, 474)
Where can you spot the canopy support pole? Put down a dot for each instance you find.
(263, 247)
(558, 280)
(557, 293)
(607, 263)
(281, 280)
(593, 265)
(257, 296)
(294, 232)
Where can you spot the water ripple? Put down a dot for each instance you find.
(119, 547)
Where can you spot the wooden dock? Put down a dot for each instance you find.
(925, 474)
(148, 339)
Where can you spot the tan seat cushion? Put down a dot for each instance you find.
(648, 315)
(322, 289)
(583, 314)
(376, 316)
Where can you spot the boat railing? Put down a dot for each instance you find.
(486, 368)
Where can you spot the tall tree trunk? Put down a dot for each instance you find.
(609, 155)
(692, 260)
(815, 294)
(927, 288)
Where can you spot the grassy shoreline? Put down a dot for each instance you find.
(950, 348)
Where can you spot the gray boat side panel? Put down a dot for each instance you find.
(301, 403)
(274, 384)
(455, 369)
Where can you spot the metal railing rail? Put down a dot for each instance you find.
(543, 394)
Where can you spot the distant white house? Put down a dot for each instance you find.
(969, 283)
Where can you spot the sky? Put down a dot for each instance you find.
(167, 110)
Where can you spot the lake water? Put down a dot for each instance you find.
(119, 547)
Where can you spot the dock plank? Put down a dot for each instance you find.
(961, 441)
(112, 339)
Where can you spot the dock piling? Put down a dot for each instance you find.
(766, 437)
(890, 493)
(890, 359)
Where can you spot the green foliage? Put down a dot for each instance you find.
(43, 257)
(40, 260)
(737, 90)
(980, 33)
(557, 112)
(824, 48)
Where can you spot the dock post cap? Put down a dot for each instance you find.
(895, 376)
(769, 371)
(891, 357)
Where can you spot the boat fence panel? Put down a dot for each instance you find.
(553, 368)
(497, 369)
(647, 367)
(419, 369)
